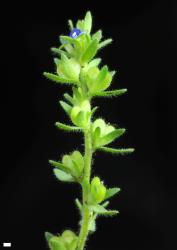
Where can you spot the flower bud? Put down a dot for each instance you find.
(80, 115)
(98, 190)
(68, 68)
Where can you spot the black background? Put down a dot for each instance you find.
(144, 53)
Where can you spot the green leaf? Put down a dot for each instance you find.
(100, 210)
(67, 128)
(58, 79)
(97, 35)
(94, 110)
(80, 25)
(67, 108)
(56, 61)
(103, 80)
(92, 224)
(119, 151)
(69, 40)
(88, 22)
(69, 98)
(94, 63)
(96, 136)
(105, 204)
(105, 43)
(73, 244)
(59, 165)
(101, 76)
(48, 236)
(110, 137)
(90, 52)
(56, 244)
(79, 205)
(70, 68)
(110, 93)
(62, 176)
(111, 192)
(70, 23)
(59, 51)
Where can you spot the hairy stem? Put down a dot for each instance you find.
(87, 171)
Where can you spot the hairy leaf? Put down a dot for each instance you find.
(110, 93)
(100, 210)
(58, 79)
(67, 128)
(111, 192)
(119, 151)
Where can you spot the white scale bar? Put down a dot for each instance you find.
(7, 244)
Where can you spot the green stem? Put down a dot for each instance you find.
(87, 171)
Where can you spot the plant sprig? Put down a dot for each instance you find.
(78, 67)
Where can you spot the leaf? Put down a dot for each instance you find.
(67, 128)
(90, 52)
(56, 61)
(103, 80)
(48, 236)
(100, 210)
(92, 224)
(62, 176)
(105, 204)
(70, 68)
(97, 35)
(70, 23)
(110, 93)
(69, 40)
(58, 51)
(59, 165)
(111, 192)
(69, 98)
(80, 24)
(110, 137)
(56, 244)
(73, 244)
(94, 63)
(119, 151)
(79, 205)
(58, 79)
(105, 43)
(67, 108)
(88, 22)
(96, 136)
(94, 110)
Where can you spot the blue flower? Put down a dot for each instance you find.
(75, 33)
